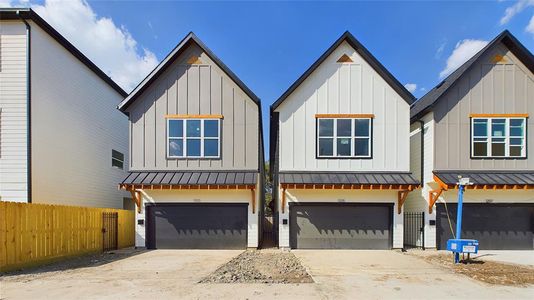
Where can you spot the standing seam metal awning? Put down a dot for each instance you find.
(488, 178)
(190, 178)
(348, 178)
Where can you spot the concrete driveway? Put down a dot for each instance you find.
(174, 274)
(394, 275)
(519, 257)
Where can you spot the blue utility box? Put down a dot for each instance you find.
(462, 246)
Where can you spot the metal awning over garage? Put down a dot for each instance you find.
(348, 180)
(404, 182)
(503, 179)
(189, 180)
(482, 180)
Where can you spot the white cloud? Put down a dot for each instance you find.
(440, 49)
(5, 3)
(530, 26)
(463, 51)
(513, 10)
(411, 87)
(109, 46)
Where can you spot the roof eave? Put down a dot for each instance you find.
(165, 63)
(375, 64)
(29, 14)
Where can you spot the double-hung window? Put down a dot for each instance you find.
(344, 137)
(498, 137)
(193, 138)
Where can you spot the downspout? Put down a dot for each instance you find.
(28, 109)
(422, 125)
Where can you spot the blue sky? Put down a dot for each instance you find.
(270, 44)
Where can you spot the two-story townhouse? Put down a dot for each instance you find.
(196, 154)
(340, 153)
(61, 139)
(477, 123)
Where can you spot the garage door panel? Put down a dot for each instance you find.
(495, 226)
(336, 226)
(197, 226)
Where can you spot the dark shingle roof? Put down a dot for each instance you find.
(488, 177)
(192, 178)
(425, 103)
(375, 64)
(348, 178)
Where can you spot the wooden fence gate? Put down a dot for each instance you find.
(109, 230)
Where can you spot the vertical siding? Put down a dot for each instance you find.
(506, 87)
(344, 88)
(13, 166)
(75, 125)
(194, 89)
(417, 200)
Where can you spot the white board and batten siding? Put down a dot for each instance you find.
(343, 88)
(13, 144)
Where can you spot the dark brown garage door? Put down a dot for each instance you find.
(340, 226)
(495, 226)
(196, 226)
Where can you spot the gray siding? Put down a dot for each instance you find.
(194, 89)
(506, 87)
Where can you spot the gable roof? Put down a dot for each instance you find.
(375, 64)
(425, 103)
(171, 57)
(29, 14)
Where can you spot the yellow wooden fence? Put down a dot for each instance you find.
(32, 234)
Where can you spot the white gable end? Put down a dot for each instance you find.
(344, 88)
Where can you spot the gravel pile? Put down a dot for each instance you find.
(261, 267)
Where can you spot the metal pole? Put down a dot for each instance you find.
(459, 219)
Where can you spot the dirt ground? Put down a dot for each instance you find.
(487, 271)
(256, 266)
(176, 274)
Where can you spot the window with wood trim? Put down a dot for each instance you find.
(344, 137)
(498, 137)
(117, 159)
(193, 138)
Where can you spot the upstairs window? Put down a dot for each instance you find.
(498, 137)
(344, 137)
(117, 159)
(193, 138)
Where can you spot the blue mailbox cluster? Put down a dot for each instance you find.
(462, 246)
